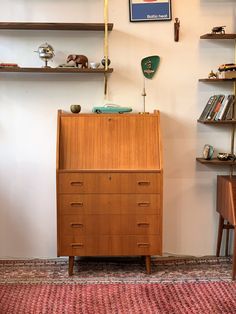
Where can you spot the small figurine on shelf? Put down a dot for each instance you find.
(218, 30)
(176, 29)
(79, 60)
(46, 52)
(212, 75)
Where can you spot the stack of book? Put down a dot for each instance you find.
(218, 108)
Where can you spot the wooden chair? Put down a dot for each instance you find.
(226, 207)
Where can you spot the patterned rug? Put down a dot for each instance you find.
(117, 286)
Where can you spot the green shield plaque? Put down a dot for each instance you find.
(150, 66)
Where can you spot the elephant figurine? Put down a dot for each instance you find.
(78, 59)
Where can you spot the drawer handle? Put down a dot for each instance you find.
(76, 225)
(144, 182)
(143, 224)
(77, 245)
(76, 204)
(77, 183)
(143, 244)
(144, 204)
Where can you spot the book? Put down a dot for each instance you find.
(207, 108)
(229, 112)
(224, 108)
(216, 107)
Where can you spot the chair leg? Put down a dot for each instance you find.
(220, 232)
(227, 240)
(234, 256)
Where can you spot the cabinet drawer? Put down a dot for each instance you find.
(136, 245)
(109, 182)
(75, 225)
(109, 203)
(85, 246)
(110, 245)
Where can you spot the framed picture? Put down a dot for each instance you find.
(149, 10)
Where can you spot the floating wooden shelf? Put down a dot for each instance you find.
(216, 162)
(218, 36)
(217, 122)
(55, 26)
(54, 70)
(217, 80)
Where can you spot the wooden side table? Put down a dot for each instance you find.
(226, 207)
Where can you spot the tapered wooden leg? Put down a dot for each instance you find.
(227, 241)
(71, 265)
(220, 232)
(234, 255)
(148, 264)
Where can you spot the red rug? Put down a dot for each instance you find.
(199, 298)
(117, 286)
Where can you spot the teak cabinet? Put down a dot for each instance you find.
(109, 185)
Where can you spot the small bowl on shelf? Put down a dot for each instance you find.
(226, 156)
(94, 65)
(75, 108)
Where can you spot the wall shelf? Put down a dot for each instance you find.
(218, 36)
(216, 162)
(217, 80)
(54, 70)
(217, 122)
(55, 26)
(232, 123)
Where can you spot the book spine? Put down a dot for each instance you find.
(215, 107)
(228, 107)
(207, 108)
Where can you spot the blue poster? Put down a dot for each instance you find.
(150, 10)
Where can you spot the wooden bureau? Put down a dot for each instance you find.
(109, 185)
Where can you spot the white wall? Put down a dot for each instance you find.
(29, 103)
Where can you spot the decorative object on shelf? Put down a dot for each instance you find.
(218, 30)
(111, 108)
(103, 62)
(46, 52)
(176, 29)
(149, 10)
(9, 65)
(212, 75)
(226, 156)
(66, 65)
(227, 67)
(227, 71)
(75, 108)
(78, 60)
(208, 151)
(94, 65)
(149, 67)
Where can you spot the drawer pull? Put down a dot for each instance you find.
(143, 224)
(77, 183)
(143, 244)
(76, 204)
(77, 245)
(144, 182)
(76, 225)
(144, 204)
